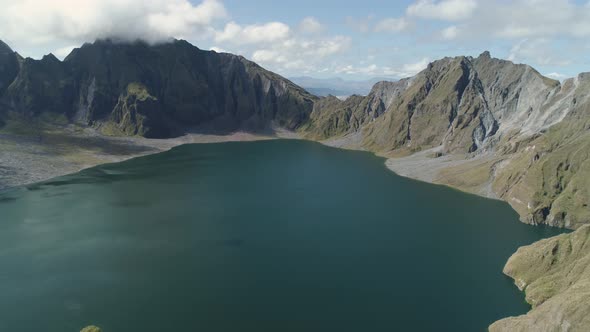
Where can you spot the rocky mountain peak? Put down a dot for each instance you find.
(9, 66)
(463, 104)
(50, 58)
(485, 55)
(4, 48)
(99, 83)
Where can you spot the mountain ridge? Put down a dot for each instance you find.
(459, 106)
(207, 86)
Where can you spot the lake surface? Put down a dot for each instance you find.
(261, 236)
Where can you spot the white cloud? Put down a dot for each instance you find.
(63, 52)
(266, 56)
(310, 25)
(556, 76)
(371, 69)
(549, 33)
(450, 33)
(406, 70)
(392, 25)
(539, 51)
(40, 22)
(516, 19)
(253, 34)
(539, 18)
(412, 69)
(541, 32)
(217, 49)
(279, 47)
(449, 10)
(35, 27)
(301, 54)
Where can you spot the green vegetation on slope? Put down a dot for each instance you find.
(555, 275)
(547, 178)
(136, 113)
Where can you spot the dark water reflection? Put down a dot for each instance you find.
(264, 236)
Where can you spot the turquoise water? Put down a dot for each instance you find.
(262, 236)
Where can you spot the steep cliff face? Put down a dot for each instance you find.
(516, 94)
(189, 87)
(546, 175)
(41, 86)
(425, 112)
(555, 275)
(462, 104)
(136, 113)
(334, 117)
(9, 66)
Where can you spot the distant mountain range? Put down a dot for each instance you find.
(337, 86)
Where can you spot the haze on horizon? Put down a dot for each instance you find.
(353, 40)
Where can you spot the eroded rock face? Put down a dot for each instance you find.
(463, 104)
(334, 117)
(547, 178)
(41, 86)
(137, 113)
(190, 87)
(555, 275)
(9, 66)
(429, 110)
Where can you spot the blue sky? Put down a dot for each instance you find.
(349, 39)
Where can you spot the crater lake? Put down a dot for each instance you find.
(278, 235)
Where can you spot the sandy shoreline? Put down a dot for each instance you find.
(445, 170)
(30, 159)
(25, 160)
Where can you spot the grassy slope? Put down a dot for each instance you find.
(555, 275)
(548, 177)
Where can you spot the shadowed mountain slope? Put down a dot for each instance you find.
(157, 91)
